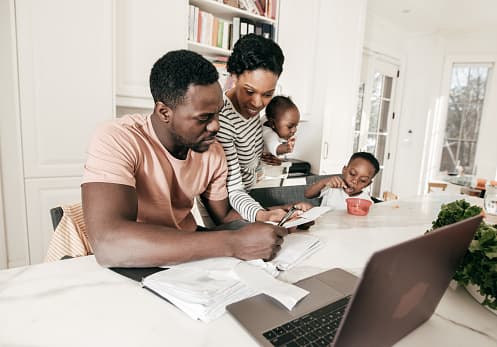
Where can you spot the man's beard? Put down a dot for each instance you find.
(198, 147)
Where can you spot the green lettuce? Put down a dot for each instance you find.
(479, 264)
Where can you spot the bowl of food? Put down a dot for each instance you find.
(358, 206)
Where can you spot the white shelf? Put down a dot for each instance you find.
(207, 49)
(228, 12)
(135, 102)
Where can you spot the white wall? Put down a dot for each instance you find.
(384, 37)
(421, 85)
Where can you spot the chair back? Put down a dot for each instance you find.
(69, 237)
(389, 196)
(275, 196)
(436, 185)
(56, 214)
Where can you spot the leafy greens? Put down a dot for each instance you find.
(479, 264)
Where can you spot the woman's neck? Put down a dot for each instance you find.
(230, 93)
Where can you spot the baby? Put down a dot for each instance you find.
(279, 130)
(356, 175)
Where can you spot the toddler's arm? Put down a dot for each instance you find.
(315, 189)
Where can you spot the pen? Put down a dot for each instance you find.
(287, 216)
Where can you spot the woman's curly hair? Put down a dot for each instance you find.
(253, 52)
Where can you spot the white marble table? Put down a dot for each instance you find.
(78, 303)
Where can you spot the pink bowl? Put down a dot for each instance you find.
(357, 206)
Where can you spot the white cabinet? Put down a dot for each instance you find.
(64, 79)
(145, 31)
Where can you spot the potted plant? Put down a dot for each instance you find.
(478, 269)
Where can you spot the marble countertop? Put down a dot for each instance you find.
(76, 302)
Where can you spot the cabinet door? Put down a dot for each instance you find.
(145, 31)
(65, 59)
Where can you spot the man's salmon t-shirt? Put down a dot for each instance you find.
(127, 151)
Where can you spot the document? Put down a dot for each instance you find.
(202, 289)
(308, 216)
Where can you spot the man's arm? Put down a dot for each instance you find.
(110, 212)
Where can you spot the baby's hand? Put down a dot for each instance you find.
(336, 182)
(290, 144)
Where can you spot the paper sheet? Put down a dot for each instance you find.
(255, 277)
(308, 216)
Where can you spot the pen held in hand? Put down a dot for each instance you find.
(287, 216)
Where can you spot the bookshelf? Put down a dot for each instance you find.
(140, 40)
(223, 13)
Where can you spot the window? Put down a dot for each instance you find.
(465, 104)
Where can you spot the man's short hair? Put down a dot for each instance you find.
(253, 52)
(369, 157)
(175, 72)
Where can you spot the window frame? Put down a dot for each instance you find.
(440, 113)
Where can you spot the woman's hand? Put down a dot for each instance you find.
(273, 215)
(301, 205)
(270, 159)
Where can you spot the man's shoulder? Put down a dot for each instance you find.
(122, 123)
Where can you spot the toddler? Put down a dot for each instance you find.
(279, 130)
(356, 175)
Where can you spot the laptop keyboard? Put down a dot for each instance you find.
(317, 328)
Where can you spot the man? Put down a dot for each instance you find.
(143, 172)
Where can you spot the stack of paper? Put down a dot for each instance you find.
(202, 289)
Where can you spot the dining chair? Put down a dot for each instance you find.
(389, 196)
(436, 185)
(69, 237)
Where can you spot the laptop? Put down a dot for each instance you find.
(399, 289)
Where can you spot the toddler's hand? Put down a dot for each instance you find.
(336, 182)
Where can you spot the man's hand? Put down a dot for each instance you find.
(258, 241)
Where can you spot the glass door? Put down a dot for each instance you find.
(375, 118)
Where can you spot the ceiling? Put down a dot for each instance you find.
(444, 16)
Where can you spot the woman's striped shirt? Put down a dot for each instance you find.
(242, 141)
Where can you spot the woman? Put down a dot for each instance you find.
(255, 66)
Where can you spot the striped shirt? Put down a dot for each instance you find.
(242, 141)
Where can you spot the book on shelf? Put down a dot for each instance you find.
(271, 8)
(250, 6)
(235, 31)
(268, 31)
(243, 27)
(232, 3)
(226, 37)
(205, 28)
(208, 29)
